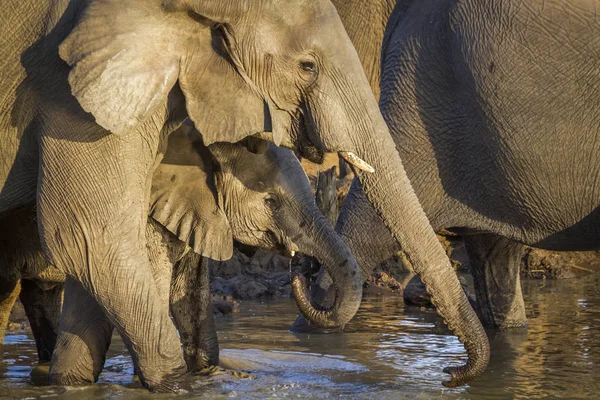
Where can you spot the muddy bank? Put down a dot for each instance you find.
(544, 264)
(244, 277)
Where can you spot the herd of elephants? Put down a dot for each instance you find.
(135, 148)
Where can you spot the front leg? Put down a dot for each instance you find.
(83, 339)
(182, 278)
(495, 263)
(92, 209)
(191, 307)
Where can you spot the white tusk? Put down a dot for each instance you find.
(293, 253)
(355, 160)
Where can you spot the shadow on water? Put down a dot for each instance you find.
(387, 351)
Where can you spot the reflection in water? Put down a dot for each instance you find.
(387, 351)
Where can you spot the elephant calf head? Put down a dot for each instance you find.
(210, 196)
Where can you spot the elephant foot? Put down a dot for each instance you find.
(40, 375)
(516, 319)
(176, 382)
(495, 263)
(69, 379)
(502, 312)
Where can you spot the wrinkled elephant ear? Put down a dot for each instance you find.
(222, 104)
(229, 87)
(125, 60)
(184, 199)
(123, 67)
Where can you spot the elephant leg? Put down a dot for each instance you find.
(42, 302)
(163, 249)
(495, 265)
(83, 339)
(191, 307)
(92, 213)
(9, 292)
(85, 330)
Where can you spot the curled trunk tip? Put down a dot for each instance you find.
(475, 341)
(475, 366)
(324, 318)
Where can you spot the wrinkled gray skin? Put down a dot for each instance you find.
(494, 110)
(27, 275)
(267, 202)
(77, 95)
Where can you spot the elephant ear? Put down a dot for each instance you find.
(124, 62)
(224, 105)
(183, 197)
(126, 57)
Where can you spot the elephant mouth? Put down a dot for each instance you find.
(268, 240)
(281, 246)
(309, 150)
(309, 146)
(307, 143)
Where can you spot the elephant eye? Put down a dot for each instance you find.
(272, 202)
(308, 66)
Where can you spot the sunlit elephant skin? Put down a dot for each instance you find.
(93, 189)
(267, 202)
(265, 199)
(366, 27)
(78, 96)
(26, 275)
(500, 142)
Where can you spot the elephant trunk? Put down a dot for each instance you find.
(389, 191)
(331, 251)
(391, 194)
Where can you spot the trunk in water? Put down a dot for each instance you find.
(392, 196)
(368, 146)
(331, 251)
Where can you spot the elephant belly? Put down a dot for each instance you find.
(584, 235)
(528, 122)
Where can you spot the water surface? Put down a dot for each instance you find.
(388, 351)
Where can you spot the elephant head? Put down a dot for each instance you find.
(244, 68)
(209, 197)
(283, 70)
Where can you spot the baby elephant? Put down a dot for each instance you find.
(201, 200)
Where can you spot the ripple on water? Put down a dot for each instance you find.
(387, 351)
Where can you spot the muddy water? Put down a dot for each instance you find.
(388, 351)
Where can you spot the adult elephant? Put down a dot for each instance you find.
(133, 71)
(498, 133)
(264, 200)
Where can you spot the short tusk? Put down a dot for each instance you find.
(293, 253)
(358, 162)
